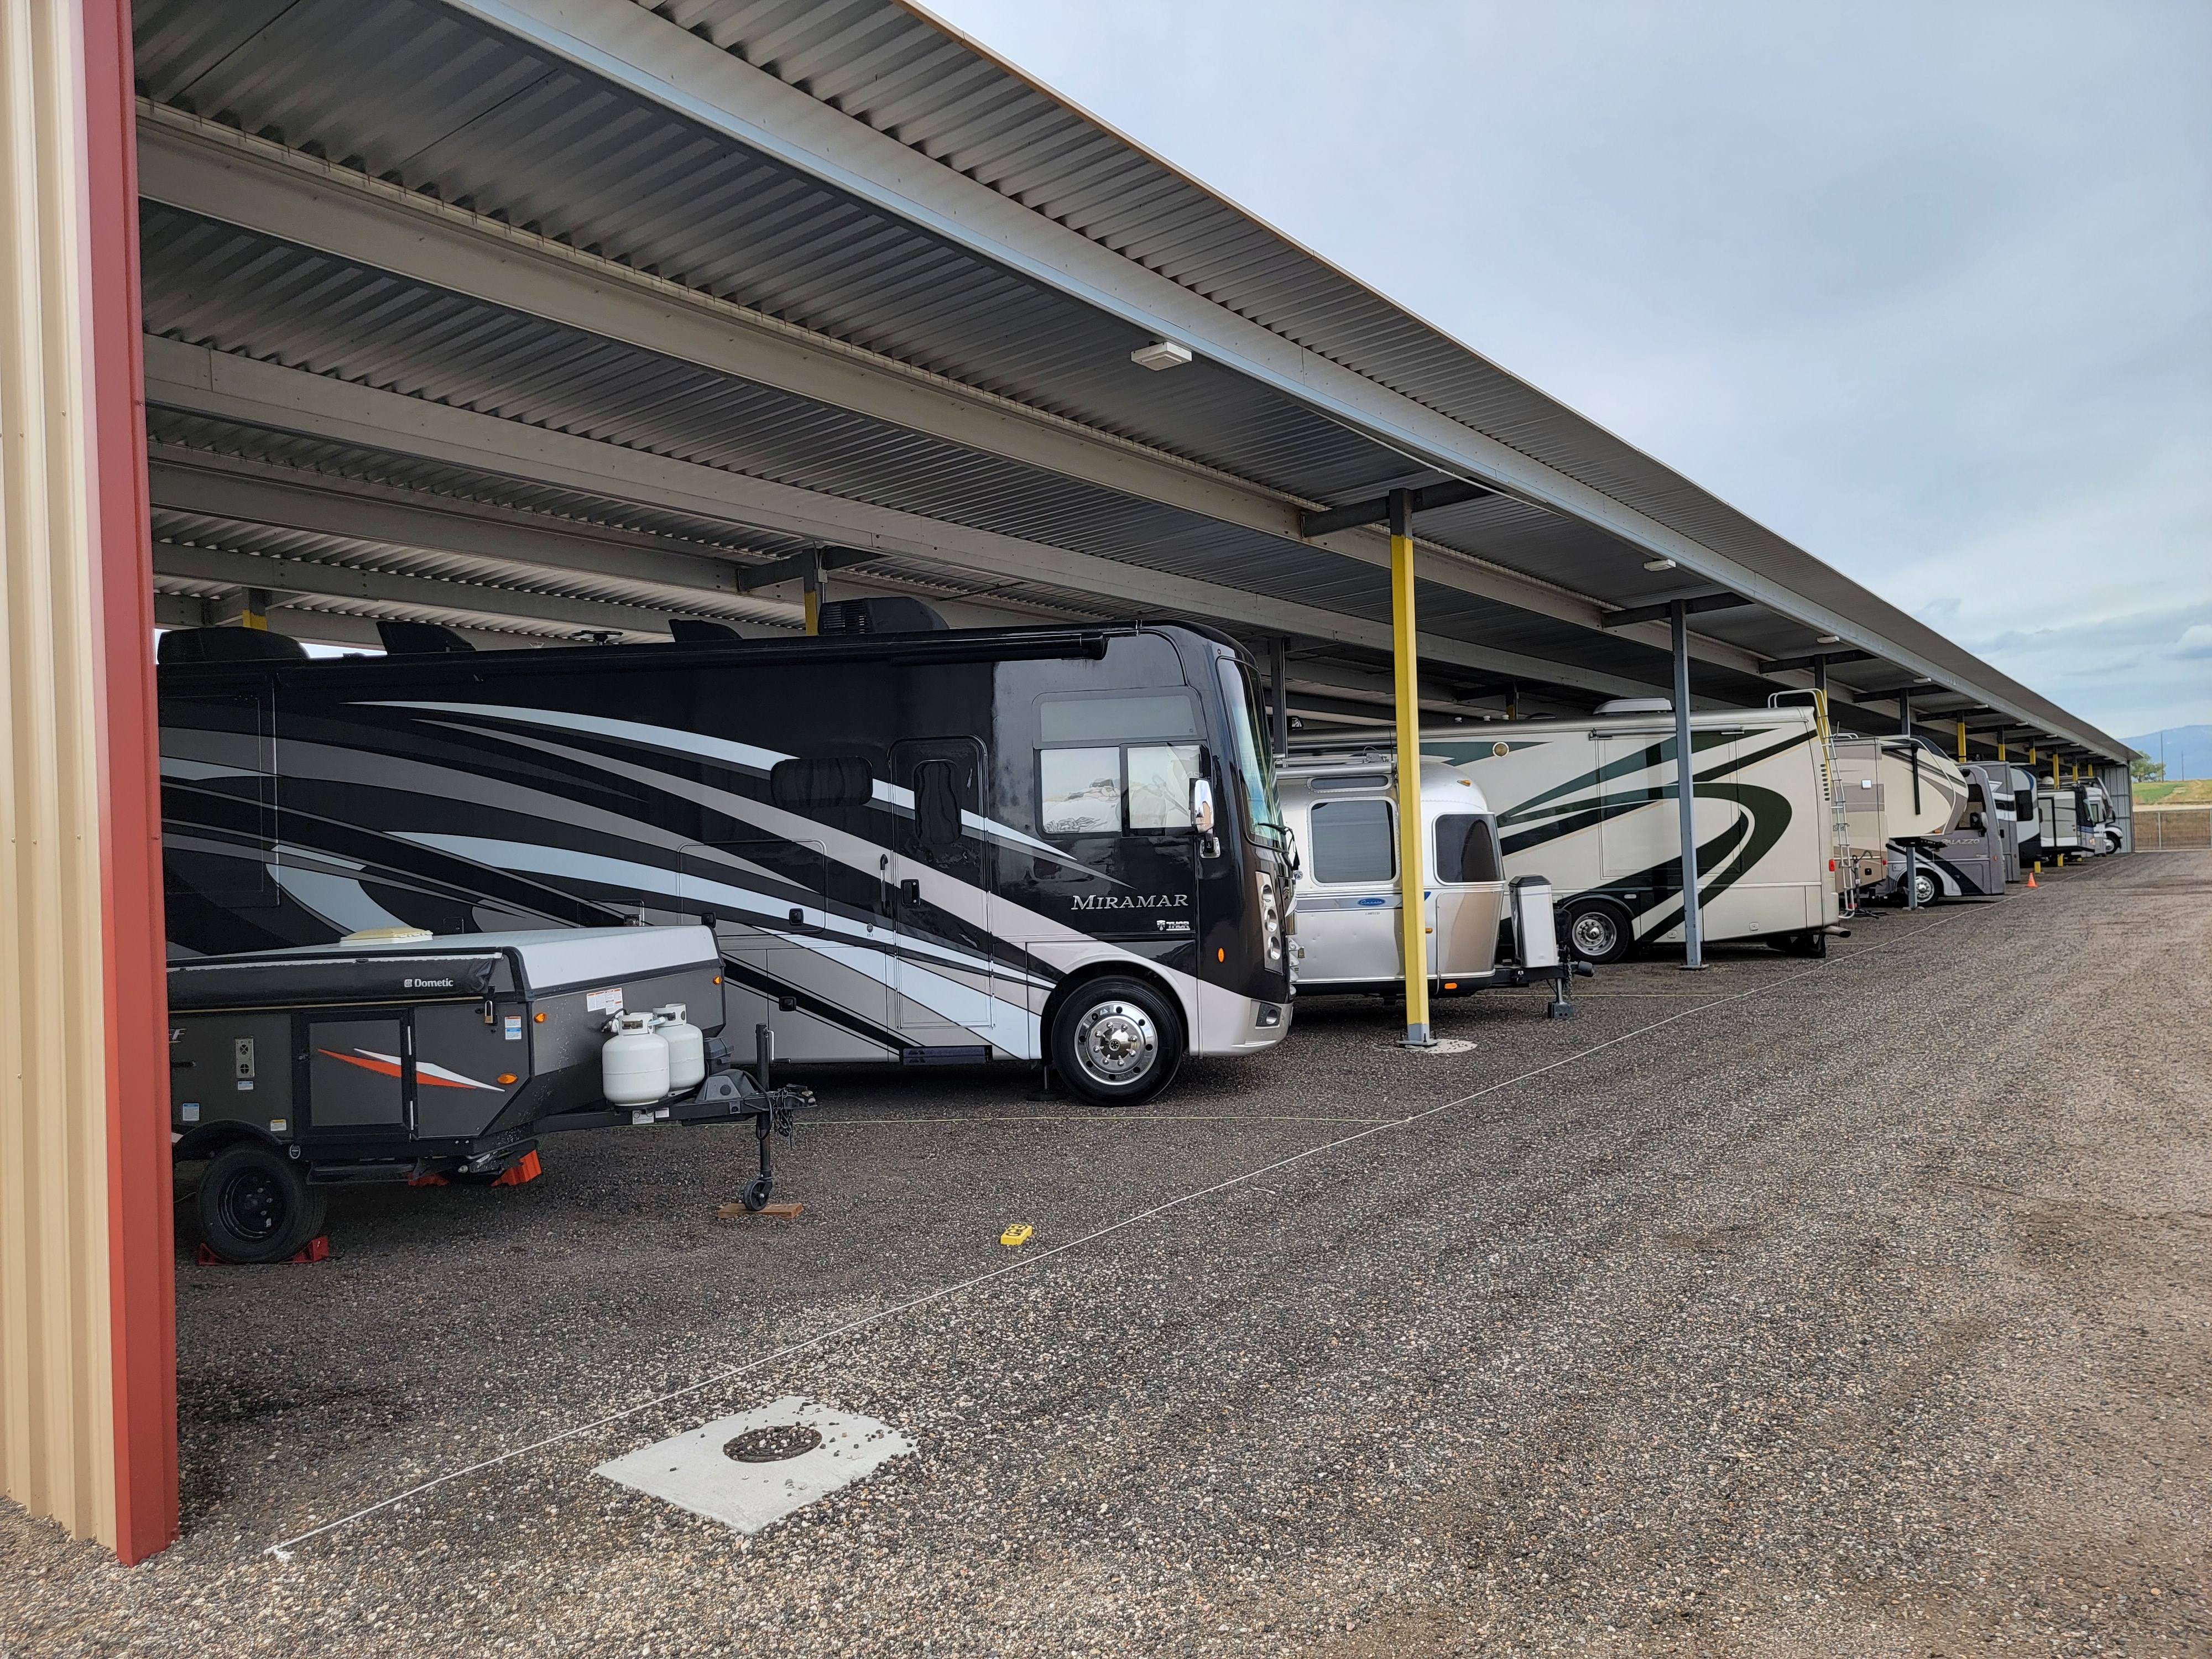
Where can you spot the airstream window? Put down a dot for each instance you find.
(1353, 842)
(1467, 849)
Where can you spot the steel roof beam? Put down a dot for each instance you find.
(1327, 520)
(342, 628)
(245, 390)
(1785, 665)
(207, 169)
(325, 504)
(627, 46)
(1703, 603)
(336, 582)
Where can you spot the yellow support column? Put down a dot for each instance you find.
(811, 583)
(1962, 743)
(1413, 878)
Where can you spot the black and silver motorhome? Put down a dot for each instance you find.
(2027, 820)
(1054, 843)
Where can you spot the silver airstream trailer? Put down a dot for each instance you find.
(1342, 811)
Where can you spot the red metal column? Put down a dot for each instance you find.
(141, 1271)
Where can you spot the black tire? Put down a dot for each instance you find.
(1814, 943)
(1116, 1042)
(256, 1206)
(1927, 888)
(1595, 931)
(755, 1195)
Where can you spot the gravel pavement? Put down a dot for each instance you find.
(1860, 1307)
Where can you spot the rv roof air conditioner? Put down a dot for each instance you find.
(896, 615)
(1638, 705)
(412, 639)
(228, 645)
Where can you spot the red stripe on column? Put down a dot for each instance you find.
(142, 1269)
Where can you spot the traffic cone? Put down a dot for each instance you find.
(2031, 881)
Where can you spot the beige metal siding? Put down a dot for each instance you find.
(56, 1401)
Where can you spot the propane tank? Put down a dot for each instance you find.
(687, 1047)
(633, 1063)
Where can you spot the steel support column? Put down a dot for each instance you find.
(1686, 791)
(1278, 686)
(1412, 880)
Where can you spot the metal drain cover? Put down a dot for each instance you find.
(773, 1445)
(752, 1470)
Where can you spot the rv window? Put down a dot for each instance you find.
(1467, 849)
(1159, 785)
(1081, 791)
(1353, 842)
(936, 805)
(1118, 717)
(1357, 780)
(816, 786)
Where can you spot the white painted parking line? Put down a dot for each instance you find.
(752, 1470)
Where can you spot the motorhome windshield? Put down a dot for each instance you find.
(1255, 758)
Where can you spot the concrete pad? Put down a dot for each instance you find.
(696, 1472)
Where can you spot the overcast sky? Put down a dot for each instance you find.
(1927, 288)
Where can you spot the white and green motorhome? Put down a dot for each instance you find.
(1591, 804)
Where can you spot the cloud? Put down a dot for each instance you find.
(2196, 644)
(1926, 288)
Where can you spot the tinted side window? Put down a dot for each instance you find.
(1353, 842)
(816, 786)
(1467, 848)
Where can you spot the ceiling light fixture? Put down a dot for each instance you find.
(1829, 639)
(1659, 564)
(1161, 353)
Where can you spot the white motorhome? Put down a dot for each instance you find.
(1590, 804)
(2099, 825)
(1897, 791)
(1970, 859)
(1342, 812)
(2026, 818)
(2058, 812)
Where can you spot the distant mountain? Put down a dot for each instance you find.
(2187, 752)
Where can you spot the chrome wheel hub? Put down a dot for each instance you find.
(1115, 1043)
(1592, 933)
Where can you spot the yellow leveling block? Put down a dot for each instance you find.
(1016, 1235)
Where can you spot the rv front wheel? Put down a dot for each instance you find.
(1115, 1043)
(1596, 932)
(255, 1204)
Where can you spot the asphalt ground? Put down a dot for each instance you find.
(1842, 1308)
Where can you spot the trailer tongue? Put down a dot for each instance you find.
(405, 1056)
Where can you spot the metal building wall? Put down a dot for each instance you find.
(87, 1304)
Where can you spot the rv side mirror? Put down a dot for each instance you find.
(1202, 806)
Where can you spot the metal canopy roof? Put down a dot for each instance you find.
(832, 272)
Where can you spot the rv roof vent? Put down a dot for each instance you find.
(388, 935)
(228, 645)
(414, 639)
(1638, 705)
(893, 615)
(692, 630)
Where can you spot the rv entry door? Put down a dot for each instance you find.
(938, 884)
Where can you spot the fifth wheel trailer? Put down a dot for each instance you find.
(1591, 804)
(928, 848)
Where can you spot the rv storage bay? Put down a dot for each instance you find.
(1866, 1313)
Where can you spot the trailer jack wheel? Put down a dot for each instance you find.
(756, 1195)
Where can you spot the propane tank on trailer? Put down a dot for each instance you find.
(633, 1063)
(687, 1047)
